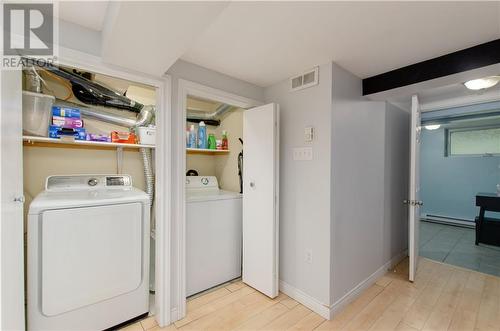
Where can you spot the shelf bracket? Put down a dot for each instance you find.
(119, 160)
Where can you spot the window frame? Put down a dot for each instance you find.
(447, 142)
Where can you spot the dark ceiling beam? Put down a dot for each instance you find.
(467, 59)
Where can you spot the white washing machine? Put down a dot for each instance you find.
(213, 234)
(88, 253)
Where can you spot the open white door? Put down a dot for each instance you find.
(260, 198)
(12, 199)
(413, 201)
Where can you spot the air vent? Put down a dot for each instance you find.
(304, 80)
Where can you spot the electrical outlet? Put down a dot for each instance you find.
(309, 256)
(302, 154)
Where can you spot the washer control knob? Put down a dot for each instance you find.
(92, 182)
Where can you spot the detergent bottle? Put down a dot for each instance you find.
(192, 137)
(225, 144)
(202, 135)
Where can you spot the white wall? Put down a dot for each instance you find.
(79, 38)
(345, 205)
(195, 73)
(305, 186)
(369, 164)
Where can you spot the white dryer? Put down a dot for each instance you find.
(88, 253)
(213, 234)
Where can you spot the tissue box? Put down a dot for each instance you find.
(123, 137)
(66, 112)
(67, 122)
(58, 132)
(147, 135)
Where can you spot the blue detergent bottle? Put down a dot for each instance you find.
(202, 135)
(192, 137)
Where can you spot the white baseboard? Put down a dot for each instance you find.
(305, 299)
(356, 291)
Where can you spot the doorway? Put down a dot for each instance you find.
(460, 160)
(232, 117)
(454, 199)
(51, 149)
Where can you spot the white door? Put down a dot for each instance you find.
(11, 209)
(260, 198)
(413, 201)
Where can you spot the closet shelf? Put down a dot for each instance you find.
(64, 143)
(207, 151)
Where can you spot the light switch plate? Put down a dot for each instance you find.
(302, 154)
(309, 134)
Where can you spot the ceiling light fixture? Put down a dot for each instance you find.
(432, 127)
(482, 83)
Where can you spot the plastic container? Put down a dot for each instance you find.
(225, 143)
(192, 137)
(147, 135)
(212, 144)
(37, 113)
(202, 135)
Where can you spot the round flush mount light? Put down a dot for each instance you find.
(432, 127)
(482, 83)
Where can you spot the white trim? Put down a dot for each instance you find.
(184, 89)
(305, 299)
(356, 291)
(69, 57)
(174, 314)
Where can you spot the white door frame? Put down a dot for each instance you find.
(163, 155)
(186, 88)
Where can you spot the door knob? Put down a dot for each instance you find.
(252, 184)
(406, 202)
(420, 203)
(20, 199)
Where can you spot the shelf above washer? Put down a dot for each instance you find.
(70, 143)
(207, 151)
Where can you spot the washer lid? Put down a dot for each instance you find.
(210, 195)
(72, 199)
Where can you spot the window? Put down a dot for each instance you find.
(474, 142)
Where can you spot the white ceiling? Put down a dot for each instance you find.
(150, 36)
(90, 14)
(266, 42)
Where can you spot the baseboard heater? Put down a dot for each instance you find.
(466, 223)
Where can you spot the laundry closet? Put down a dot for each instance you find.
(89, 144)
(214, 187)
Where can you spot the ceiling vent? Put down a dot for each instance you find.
(304, 80)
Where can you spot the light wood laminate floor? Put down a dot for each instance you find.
(443, 297)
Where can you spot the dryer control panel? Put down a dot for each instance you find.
(90, 182)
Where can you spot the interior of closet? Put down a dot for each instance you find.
(79, 126)
(214, 168)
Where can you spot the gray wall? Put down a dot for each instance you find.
(368, 183)
(449, 184)
(305, 185)
(397, 165)
(195, 73)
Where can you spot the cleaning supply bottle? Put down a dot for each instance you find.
(225, 143)
(202, 135)
(192, 137)
(212, 144)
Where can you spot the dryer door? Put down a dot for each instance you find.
(88, 255)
